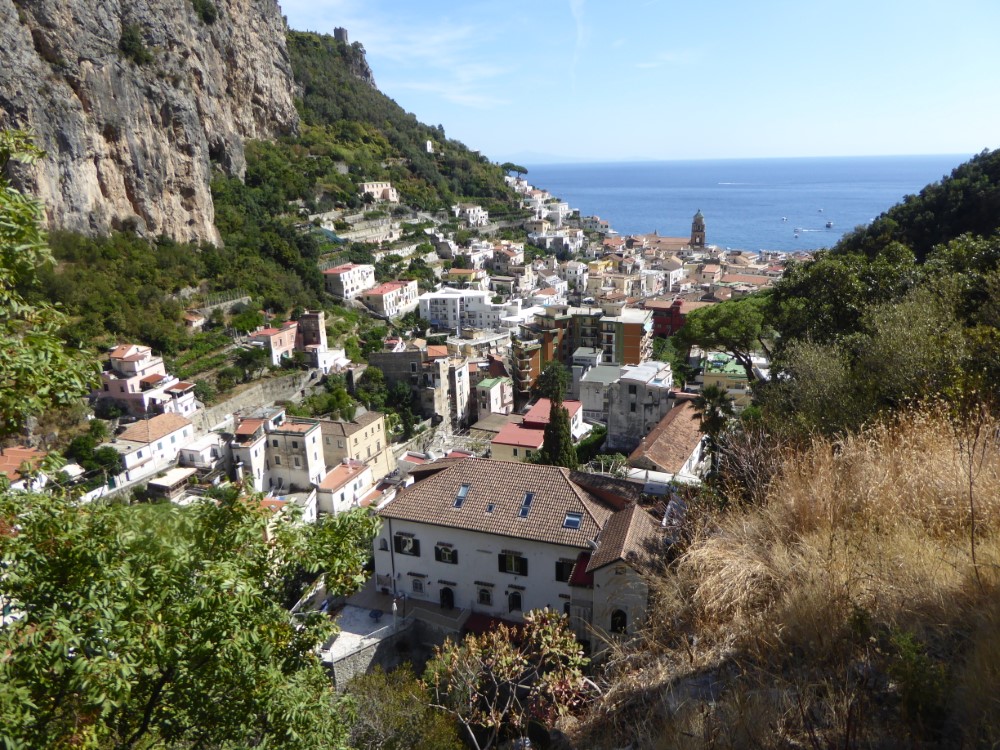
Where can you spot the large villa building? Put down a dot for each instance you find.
(501, 538)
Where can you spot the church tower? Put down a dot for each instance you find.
(698, 230)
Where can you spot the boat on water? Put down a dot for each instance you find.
(829, 225)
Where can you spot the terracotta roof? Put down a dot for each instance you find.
(539, 413)
(343, 268)
(11, 460)
(500, 487)
(629, 535)
(154, 378)
(389, 286)
(249, 426)
(672, 441)
(520, 436)
(437, 350)
(341, 475)
(159, 426)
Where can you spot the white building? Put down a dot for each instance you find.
(278, 455)
(382, 192)
(349, 280)
(344, 486)
(473, 214)
(152, 445)
(503, 538)
(392, 298)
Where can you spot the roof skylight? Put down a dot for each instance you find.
(526, 505)
(463, 492)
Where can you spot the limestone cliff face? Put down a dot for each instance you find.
(136, 145)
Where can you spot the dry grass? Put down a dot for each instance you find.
(844, 612)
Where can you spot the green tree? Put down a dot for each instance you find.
(553, 381)
(714, 407)
(37, 370)
(557, 439)
(161, 626)
(391, 711)
(517, 169)
(494, 683)
(247, 321)
(736, 326)
(253, 360)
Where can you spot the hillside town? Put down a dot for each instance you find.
(463, 482)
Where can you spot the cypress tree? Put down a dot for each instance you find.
(557, 442)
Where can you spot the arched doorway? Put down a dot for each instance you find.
(619, 621)
(447, 598)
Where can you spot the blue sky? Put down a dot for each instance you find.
(614, 80)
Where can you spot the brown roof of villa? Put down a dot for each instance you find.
(495, 502)
(630, 536)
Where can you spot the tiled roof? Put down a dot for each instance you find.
(153, 429)
(520, 436)
(672, 441)
(629, 535)
(11, 460)
(539, 413)
(341, 475)
(435, 351)
(503, 484)
(344, 429)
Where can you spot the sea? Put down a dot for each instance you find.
(748, 204)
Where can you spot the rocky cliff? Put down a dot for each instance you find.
(136, 102)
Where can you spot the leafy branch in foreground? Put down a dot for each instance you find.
(159, 625)
(494, 684)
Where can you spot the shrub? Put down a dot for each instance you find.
(132, 46)
(206, 11)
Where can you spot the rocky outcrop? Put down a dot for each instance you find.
(132, 144)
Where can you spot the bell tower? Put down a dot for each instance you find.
(698, 230)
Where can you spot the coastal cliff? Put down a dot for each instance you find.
(136, 102)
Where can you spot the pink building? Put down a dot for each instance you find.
(279, 342)
(138, 380)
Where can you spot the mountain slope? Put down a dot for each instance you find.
(134, 102)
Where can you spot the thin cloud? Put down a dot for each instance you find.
(665, 57)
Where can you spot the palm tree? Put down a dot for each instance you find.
(714, 407)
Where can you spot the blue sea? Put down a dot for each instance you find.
(749, 204)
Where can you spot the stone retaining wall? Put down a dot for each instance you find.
(263, 393)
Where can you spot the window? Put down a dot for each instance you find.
(139, 454)
(572, 520)
(631, 390)
(159, 446)
(490, 507)
(446, 553)
(631, 408)
(274, 443)
(418, 586)
(383, 543)
(463, 492)
(564, 569)
(295, 443)
(277, 460)
(296, 460)
(406, 545)
(340, 443)
(486, 597)
(173, 439)
(514, 601)
(619, 621)
(515, 453)
(513, 563)
(526, 505)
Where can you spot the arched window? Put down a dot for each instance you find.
(383, 544)
(514, 601)
(619, 621)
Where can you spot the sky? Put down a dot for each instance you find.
(622, 80)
